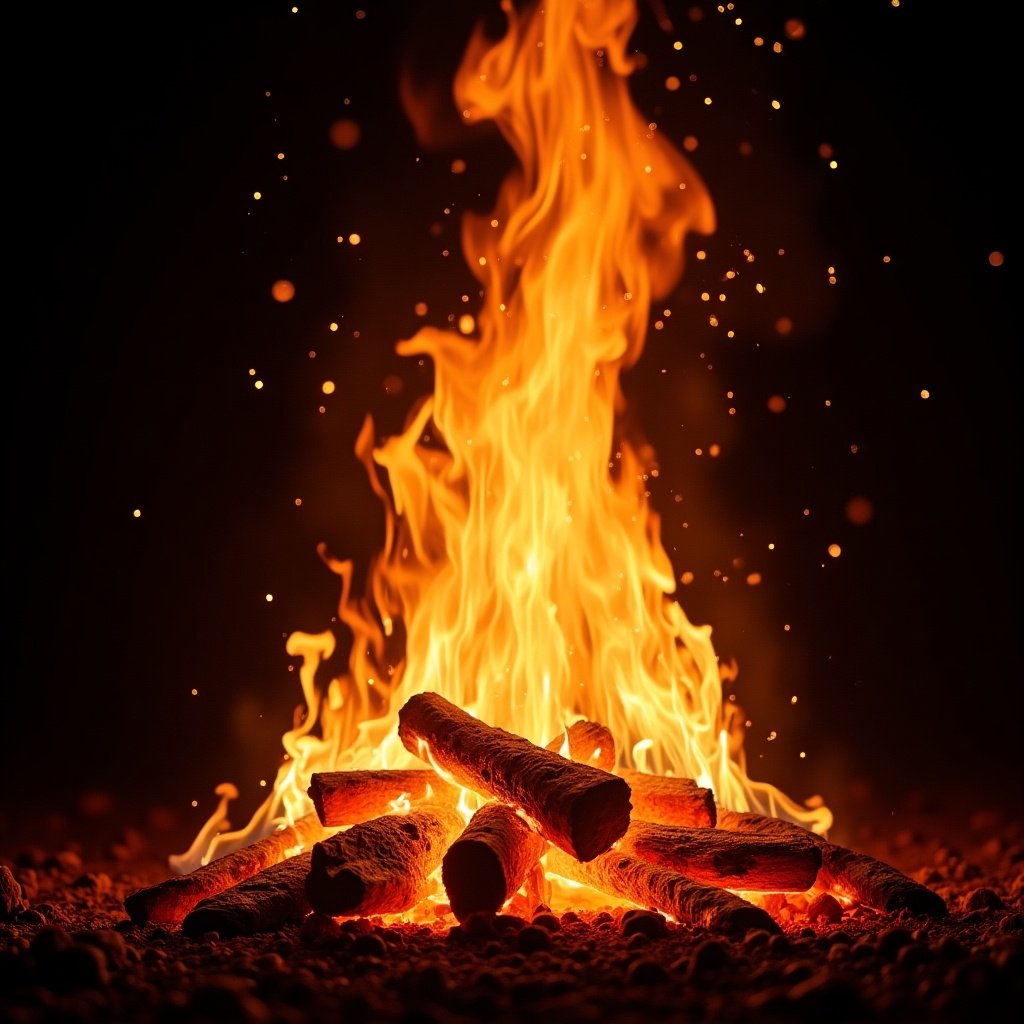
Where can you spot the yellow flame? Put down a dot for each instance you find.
(521, 556)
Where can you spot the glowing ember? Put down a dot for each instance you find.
(522, 575)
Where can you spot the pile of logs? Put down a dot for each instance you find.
(652, 841)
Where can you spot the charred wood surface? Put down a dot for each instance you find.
(670, 801)
(587, 743)
(659, 888)
(381, 866)
(269, 899)
(734, 860)
(489, 862)
(348, 798)
(847, 873)
(577, 807)
(169, 901)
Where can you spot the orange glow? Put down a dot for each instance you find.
(283, 291)
(776, 404)
(795, 29)
(995, 259)
(522, 575)
(859, 511)
(345, 134)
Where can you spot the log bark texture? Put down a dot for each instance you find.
(489, 862)
(670, 801)
(381, 866)
(169, 901)
(847, 873)
(580, 809)
(348, 798)
(273, 897)
(654, 887)
(733, 860)
(588, 743)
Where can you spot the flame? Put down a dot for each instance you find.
(522, 574)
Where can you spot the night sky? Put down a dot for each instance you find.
(142, 298)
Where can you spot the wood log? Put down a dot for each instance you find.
(489, 862)
(273, 897)
(658, 888)
(843, 872)
(348, 798)
(382, 866)
(581, 809)
(169, 901)
(588, 743)
(670, 801)
(732, 860)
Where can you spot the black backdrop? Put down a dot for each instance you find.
(140, 300)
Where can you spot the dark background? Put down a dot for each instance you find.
(140, 301)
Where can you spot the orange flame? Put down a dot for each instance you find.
(522, 574)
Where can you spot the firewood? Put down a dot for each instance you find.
(348, 798)
(580, 809)
(270, 898)
(382, 866)
(169, 901)
(729, 859)
(588, 743)
(670, 801)
(844, 872)
(488, 863)
(657, 888)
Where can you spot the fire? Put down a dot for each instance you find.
(522, 574)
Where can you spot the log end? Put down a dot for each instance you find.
(473, 879)
(918, 900)
(316, 794)
(600, 818)
(144, 906)
(332, 890)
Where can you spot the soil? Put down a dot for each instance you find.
(69, 953)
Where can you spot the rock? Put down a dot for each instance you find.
(982, 898)
(646, 972)
(644, 922)
(547, 921)
(532, 939)
(369, 945)
(76, 967)
(710, 955)
(825, 907)
(12, 900)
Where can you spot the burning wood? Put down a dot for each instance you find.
(854, 875)
(580, 809)
(488, 863)
(169, 901)
(656, 798)
(650, 885)
(670, 801)
(348, 798)
(269, 899)
(588, 743)
(381, 866)
(729, 859)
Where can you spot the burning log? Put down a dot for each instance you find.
(381, 866)
(589, 743)
(269, 899)
(844, 872)
(489, 862)
(348, 798)
(729, 859)
(169, 901)
(669, 801)
(659, 888)
(580, 809)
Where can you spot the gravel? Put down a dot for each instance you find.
(69, 953)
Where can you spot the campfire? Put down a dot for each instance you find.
(528, 717)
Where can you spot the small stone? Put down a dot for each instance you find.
(369, 945)
(547, 921)
(982, 898)
(76, 967)
(532, 939)
(892, 940)
(65, 861)
(644, 922)
(825, 907)
(48, 941)
(319, 928)
(479, 925)
(755, 938)
(710, 955)
(646, 972)
(12, 900)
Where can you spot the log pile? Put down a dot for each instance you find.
(383, 842)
